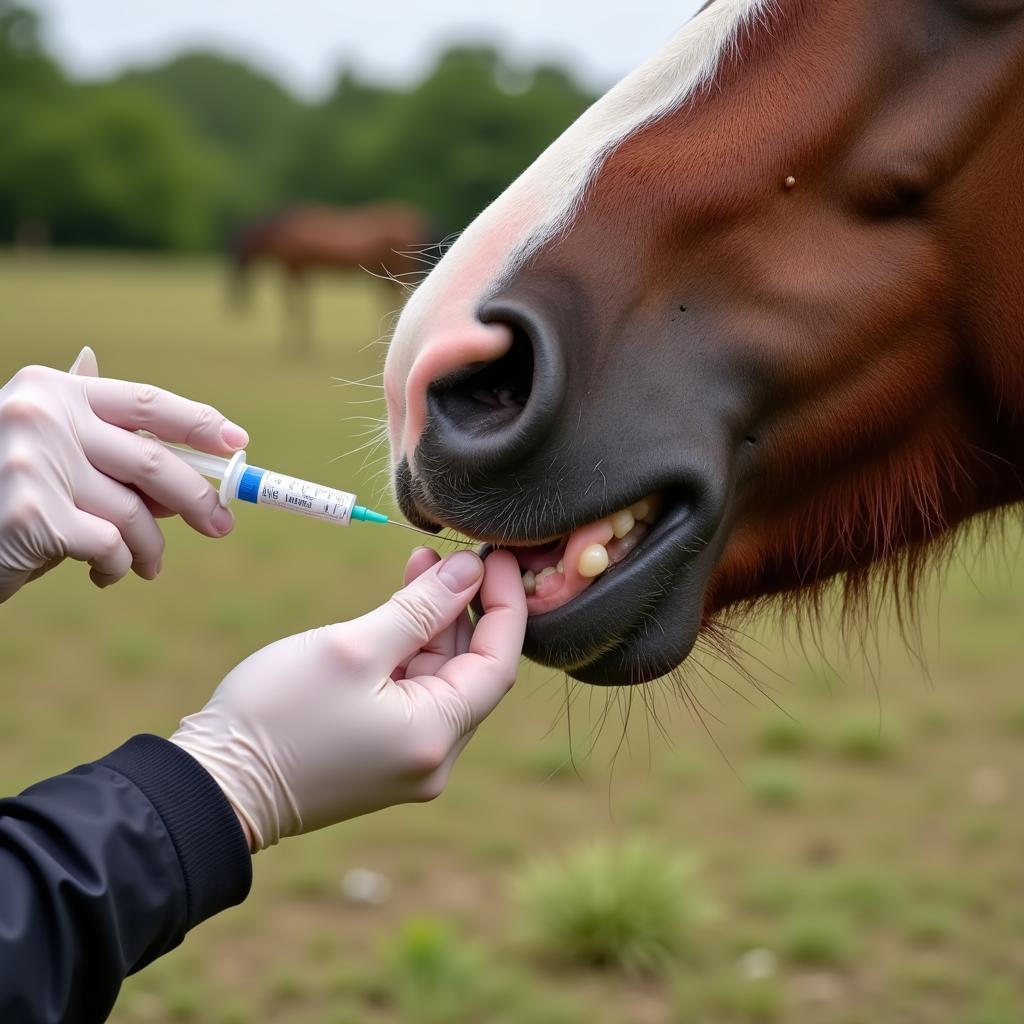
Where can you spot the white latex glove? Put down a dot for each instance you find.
(75, 481)
(353, 717)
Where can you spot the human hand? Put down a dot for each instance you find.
(75, 481)
(353, 717)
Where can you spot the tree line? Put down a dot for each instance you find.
(181, 155)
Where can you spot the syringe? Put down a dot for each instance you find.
(265, 487)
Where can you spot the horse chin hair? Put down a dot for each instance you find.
(899, 539)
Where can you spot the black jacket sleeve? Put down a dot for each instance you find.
(105, 868)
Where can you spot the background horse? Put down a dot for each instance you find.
(754, 322)
(384, 239)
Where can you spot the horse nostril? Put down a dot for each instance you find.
(483, 398)
(489, 416)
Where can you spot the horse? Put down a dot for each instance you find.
(387, 240)
(751, 330)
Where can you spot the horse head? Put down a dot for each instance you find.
(753, 323)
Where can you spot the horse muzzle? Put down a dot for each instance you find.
(598, 461)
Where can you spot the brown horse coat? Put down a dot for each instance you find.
(774, 281)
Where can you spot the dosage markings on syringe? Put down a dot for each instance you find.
(301, 496)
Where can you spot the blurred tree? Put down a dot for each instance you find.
(111, 166)
(179, 155)
(28, 79)
(451, 145)
(24, 66)
(341, 149)
(244, 113)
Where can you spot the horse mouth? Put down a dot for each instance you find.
(556, 572)
(601, 615)
(615, 600)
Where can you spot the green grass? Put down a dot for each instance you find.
(874, 863)
(867, 894)
(817, 938)
(287, 985)
(772, 892)
(429, 976)
(730, 999)
(685, 769)
(186, 1002)
(312, 880)
(780, 734)
(551, 762)
(777, 784)
(931, 926)
(133, 651)
(865, 737)
(1015, 718)
(996, 1002)
(624, 907)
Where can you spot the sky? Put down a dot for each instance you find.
(303, 42)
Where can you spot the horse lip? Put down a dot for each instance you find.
(411, 500)
(406, 497)
(488, 545)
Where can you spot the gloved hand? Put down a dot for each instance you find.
(75, 481)
(353, 717)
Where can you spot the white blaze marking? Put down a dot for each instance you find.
(545, 197)
(559, 177)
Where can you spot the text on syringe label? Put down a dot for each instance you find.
(300, 496)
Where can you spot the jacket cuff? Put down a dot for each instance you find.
(207, 837)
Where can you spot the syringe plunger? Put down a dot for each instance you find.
(264, 487)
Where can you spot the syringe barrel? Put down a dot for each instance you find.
(265, 487)
(208, 465)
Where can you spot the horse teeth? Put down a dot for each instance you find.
(653, 509)
(641, 510)
(593, 561)
(622, 522)
(612, 539)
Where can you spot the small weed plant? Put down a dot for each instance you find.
(629, 908)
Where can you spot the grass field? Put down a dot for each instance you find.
(858, 859)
